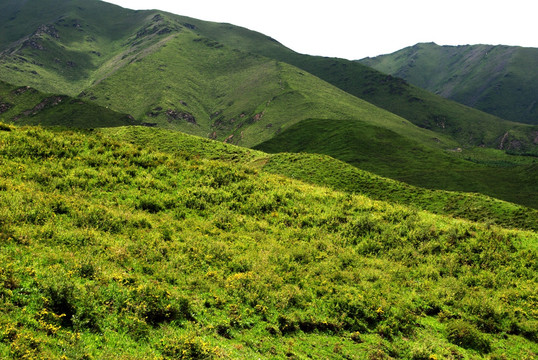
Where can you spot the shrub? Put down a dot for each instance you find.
(157, 306)
(6, 127)
(467, 336)
(187, 348)
(60, 299)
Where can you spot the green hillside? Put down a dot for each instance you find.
(501, 80)
(467, 125)
(59, 46)
(27, 106)
(67, 48)
(222, 92)
(115, 251)
(511, 178)
(338, 175)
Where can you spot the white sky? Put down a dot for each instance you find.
(357, 29)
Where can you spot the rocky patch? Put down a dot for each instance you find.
(48, 30)
(23, 90)
(5, 107)
(48, 102)
(180, 115)
(32, 43)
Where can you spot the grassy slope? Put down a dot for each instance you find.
(500, 80)
(226, 91)
(27, 106)
(96, 47)
(193, 258)
(178, 82)
(326, 171)
(235, 93)
(512, 179)
(469, 126)
(82, 37)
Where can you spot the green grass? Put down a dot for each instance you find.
(338, 175)
(424, 109)
(500, 80)
(100, 47)
(115, 251)
(234, 85)
(508, 179)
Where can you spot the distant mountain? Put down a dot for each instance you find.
(500, 80)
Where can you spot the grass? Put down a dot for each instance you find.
(230, 84)
(85, 36)
(497, 79)
(108, 58)
(466, 125)
(338, 175)
(115, 251)
(511, 178)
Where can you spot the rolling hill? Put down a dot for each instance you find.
(501, 80)
(468, 125)
(69, 49)
(113, 250)
(148, 242)
(326, 171)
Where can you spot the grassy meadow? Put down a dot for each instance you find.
(487, 171)
(324, 170)
(111, 250)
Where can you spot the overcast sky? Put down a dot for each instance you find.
(357, 29)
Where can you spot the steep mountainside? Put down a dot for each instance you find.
(500, 80)
(469, 126)
(71, 47)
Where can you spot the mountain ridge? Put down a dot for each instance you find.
(497, 79)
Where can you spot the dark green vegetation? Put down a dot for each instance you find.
(467, 125)
(117, 251)
(27, 106)
(235, 85)
(490, 172)
(501, 80)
